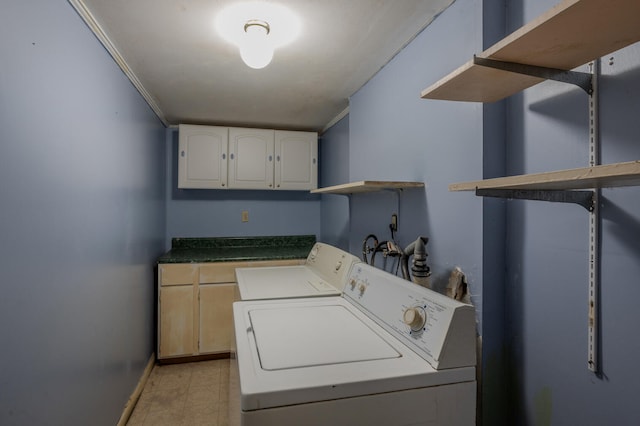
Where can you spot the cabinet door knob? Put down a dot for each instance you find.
(231, 156)
(224, 156)
(278, 158)
(314, 161)
(271, 158)
(182, 153)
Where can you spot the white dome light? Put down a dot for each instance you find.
(257, 29)
(256, 49)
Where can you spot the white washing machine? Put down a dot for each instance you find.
(323, 274)
(385, 352)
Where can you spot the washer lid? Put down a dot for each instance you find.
(295, 337)
(274, 282)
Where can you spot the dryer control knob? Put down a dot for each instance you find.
(338, 265)
(415, 318)
(352, 283)
(362, 287)
(314, 252)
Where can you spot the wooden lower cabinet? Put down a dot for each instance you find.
(216, 317)
(176, 322)
(195, 315)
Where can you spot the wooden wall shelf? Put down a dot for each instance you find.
(570, 34)
(605, 176)
(367, 186)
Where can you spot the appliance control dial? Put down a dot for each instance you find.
(338, 265)
(362, 287)
(415, 318)
(352, 283)
(314, 252)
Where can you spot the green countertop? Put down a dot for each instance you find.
(230, 249)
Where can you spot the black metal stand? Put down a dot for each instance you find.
(583, 198)
(580, 79)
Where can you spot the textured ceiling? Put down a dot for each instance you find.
(189, 74)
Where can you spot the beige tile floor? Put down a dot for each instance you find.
(189, 394)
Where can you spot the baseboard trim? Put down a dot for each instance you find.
(193, 358)
(135, 396)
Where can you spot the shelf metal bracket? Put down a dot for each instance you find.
(583, 198)
(580, 79)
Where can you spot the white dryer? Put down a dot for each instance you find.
(385, 353)
(323, 274)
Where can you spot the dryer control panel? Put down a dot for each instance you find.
(440, 329)
(330, 263)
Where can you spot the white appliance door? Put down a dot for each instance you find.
(297, 337)
(278, 282)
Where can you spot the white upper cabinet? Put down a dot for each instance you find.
(250, 158)
(243, 158)
(296, 155)
(202, 156)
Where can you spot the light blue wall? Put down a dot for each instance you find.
(217, 213)
(334, 170)
(547, 247)
(81, 221)
(494, 379)
(395, 135)
(534, 317)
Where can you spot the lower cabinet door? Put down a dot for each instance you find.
(176, 321)
(216, 317)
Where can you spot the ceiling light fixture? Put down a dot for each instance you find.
(257, 29)
(255, 49)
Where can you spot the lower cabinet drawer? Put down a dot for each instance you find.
(178, 273)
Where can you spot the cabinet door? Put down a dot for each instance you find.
(216, 317)
(176, 337)
(296, 165)
(250, 158)
(202, 156)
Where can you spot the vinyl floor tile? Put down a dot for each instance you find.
(190, 394)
